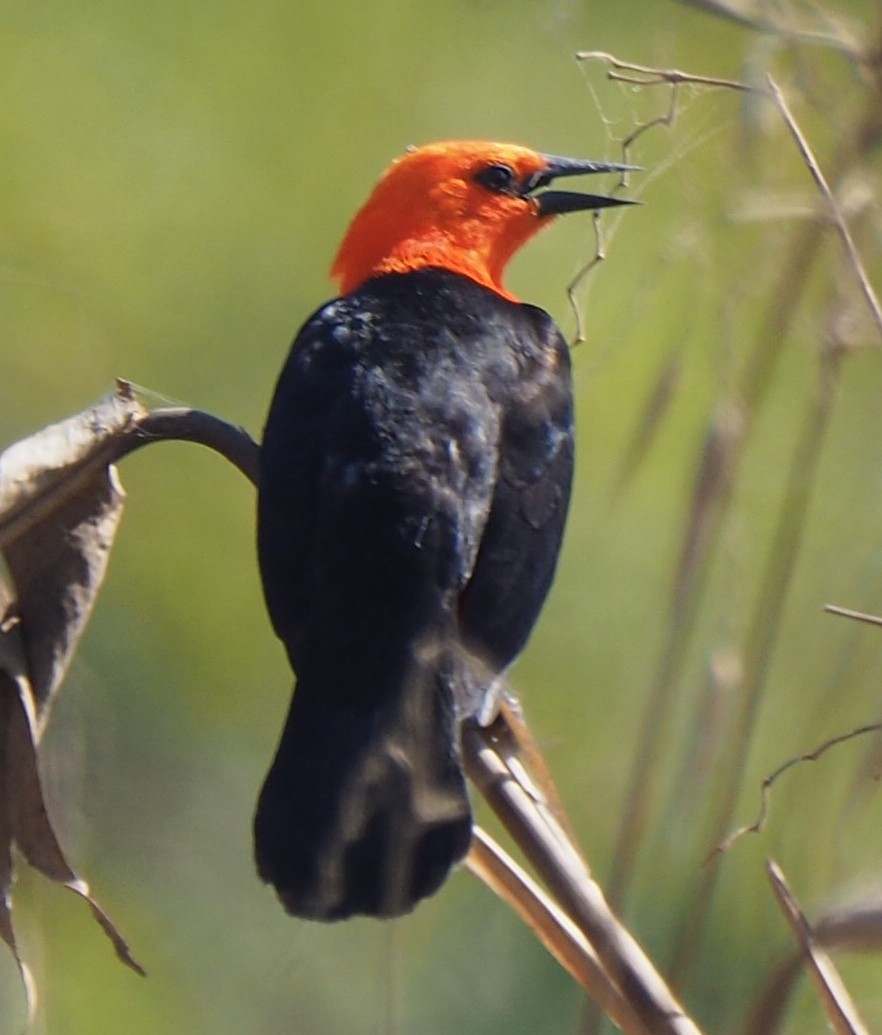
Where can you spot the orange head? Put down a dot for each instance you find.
(465, 206)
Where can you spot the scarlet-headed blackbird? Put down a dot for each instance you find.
(414, 482)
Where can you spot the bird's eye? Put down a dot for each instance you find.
(498, 178)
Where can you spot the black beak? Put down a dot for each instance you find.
(557, 202)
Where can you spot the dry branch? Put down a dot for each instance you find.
(860, 616)
(840, 1011)
(554, 929)
(766, 786)
(561, 868)
(833, 208)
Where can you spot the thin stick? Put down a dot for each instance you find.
(182, 424)
(557, 932)
(559, 865)
(835, 212)
(583, 271)
(766, 786)
(644, 75)
(846, 612)
(839, 1009)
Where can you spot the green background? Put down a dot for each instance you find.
(174, 179)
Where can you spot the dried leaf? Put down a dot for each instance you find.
(37, 471)
(57, 568)
(10, 660)
(25, 821)
(60, 505)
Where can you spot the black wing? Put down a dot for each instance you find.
(521, 542)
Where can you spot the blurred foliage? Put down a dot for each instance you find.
(175, 178)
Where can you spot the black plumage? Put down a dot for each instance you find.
(415, 477)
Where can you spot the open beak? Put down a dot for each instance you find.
(557, 202)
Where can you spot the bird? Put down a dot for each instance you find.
(414, 479)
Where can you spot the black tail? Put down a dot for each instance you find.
(364, 809)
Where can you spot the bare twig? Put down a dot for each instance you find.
(557, 932)
(645, 75)
(560, 866)
(583, 271)
(832, 205)
(765, 788)
(846, 612)
(666, 119)
(837, 1004)
(524, 751)
(183, 424)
